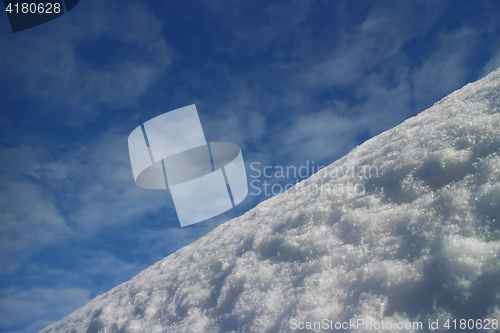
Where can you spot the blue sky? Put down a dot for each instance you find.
(288, 81)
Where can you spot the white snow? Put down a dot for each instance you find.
(422, 243)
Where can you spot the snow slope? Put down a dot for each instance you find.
(422, 242)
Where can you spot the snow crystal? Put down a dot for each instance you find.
(421, 241)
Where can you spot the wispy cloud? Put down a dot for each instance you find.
(38, 306)
(50, 63)
(30, 218)
(445, 70)
(289, 82)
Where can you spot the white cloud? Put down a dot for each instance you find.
(38, 306)
(445, 70)
(240, 120)
(493, 64)
(100, 189)
(30, 218)
(374, 44)
(257, 27)
(105, 266)
(384, 105)
(319, 136)
(58, 76)
(29, 222)
(46, 201)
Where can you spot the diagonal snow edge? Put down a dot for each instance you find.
(422, 242)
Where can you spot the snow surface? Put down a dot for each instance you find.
(422, 242)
